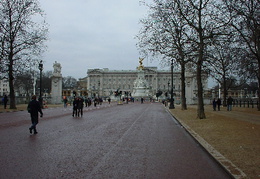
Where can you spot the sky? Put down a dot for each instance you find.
(87, 34)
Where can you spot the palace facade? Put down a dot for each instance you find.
(104, 82)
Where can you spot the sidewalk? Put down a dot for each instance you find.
(232, 137)
(23, 107)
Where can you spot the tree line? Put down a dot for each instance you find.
(215, 37)
(23, 31)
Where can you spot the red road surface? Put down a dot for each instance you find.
(115, 141)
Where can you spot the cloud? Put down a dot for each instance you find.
(92, 34)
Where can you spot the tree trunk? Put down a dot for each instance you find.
(183, 88)
(258, 107)
(200, 109)
(224, 91)
(11, 85)
(258, 91)
(11, 78)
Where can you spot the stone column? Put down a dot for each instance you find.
(56, 84)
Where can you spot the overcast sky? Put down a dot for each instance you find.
(87, 34)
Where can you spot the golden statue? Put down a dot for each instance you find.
(141, 67)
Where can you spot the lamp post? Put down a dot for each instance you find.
(171, 102)
(40, 68)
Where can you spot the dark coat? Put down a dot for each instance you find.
(75, 104)
(229, 101)
(5, 99)
(34, 107)
(80, 104)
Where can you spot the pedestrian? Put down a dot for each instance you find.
(89, 102)
(229, 103)
(86, 102)
(34, 108)
(80, 107)
(100, 101)
(142, 100)
(95, 102)
(214, 104)
(5, 101)
(219, 103)
(109, 100)
(75, 107)
(65, 101)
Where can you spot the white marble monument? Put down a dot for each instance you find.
(141, 87)
(56, 84)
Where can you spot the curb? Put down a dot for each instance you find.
(231, 168)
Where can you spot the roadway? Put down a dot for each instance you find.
(110, 141)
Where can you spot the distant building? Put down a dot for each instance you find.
(4, 87)
(104, 82)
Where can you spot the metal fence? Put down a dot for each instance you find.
(246, 103)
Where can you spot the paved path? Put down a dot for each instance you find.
(120, 141)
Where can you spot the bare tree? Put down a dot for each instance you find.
(46, 82)
(69, 82)
(223, 64)
(203, 21)
(164, 33)
(24, 83)
(21, 38)
(245, 22)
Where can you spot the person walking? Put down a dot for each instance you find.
(80, 107)
(34, 108)
(95, 102)
(219, 103)
(65, 101)
(5, 101)
(75, 107)
(86, 102)
(214, 104)
(229, 103)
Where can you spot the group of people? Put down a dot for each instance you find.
(78, 105)
(217, 103)
(34, 108)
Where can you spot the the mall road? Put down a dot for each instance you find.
(120, 141)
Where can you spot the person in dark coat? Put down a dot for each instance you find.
(214, 104)
(219, 103)
(75, 107)
(229, 103)
(80, 107)
(5, 101)
(34, 108)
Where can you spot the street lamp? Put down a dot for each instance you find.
(171, 102)
(40, 68)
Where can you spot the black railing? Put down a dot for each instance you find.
(246, 103)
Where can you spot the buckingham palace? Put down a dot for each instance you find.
(104, 82)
